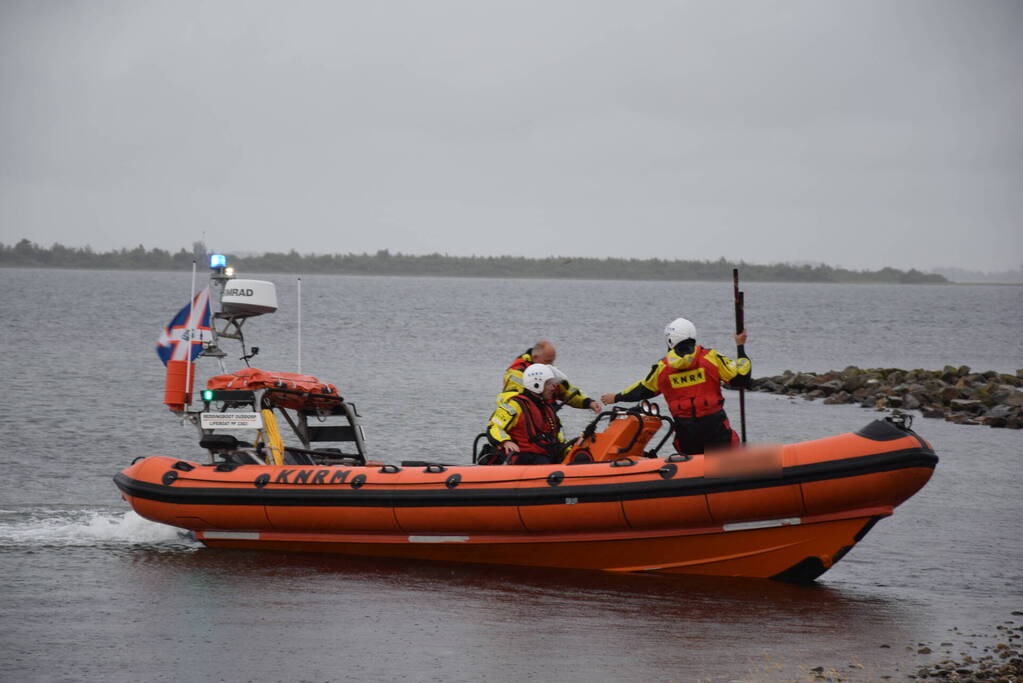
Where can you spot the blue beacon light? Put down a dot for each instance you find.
(218, 261)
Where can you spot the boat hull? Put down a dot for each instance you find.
(787, 512)
(791, 550)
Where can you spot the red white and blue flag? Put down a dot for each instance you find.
(189, 330)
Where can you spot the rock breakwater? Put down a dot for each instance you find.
(954, 393)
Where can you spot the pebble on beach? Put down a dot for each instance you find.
(954, 393)
(997, 661)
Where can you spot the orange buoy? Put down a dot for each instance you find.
(177, 391)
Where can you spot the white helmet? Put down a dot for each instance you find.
(678, 330)
(537, 375)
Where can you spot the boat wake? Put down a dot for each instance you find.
(41, 527)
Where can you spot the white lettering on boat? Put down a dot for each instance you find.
(231, 421)
(318, 476)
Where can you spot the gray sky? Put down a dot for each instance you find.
(861, 134)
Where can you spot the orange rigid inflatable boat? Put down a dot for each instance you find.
(787, 512)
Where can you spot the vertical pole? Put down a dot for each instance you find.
(740, 324)
(300, 326)
(188, 344)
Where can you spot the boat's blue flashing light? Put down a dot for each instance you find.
(218, 260)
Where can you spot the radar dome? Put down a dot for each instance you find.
(248, 297)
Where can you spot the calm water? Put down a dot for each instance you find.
(92, 592)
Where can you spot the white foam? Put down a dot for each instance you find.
(89, 528)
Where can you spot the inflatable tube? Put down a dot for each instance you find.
(786, 512)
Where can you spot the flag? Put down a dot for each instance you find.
(189, 328)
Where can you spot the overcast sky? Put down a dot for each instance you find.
(856, 133)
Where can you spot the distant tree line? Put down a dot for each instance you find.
(383, 262)
(31, 255)
(963, 275)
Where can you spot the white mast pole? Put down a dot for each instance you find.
(300, 326)
(191, 333)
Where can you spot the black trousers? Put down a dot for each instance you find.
(698, 434)
(534, 459)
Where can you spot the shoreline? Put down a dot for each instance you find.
(958, 656)
(509, 276)
(493, 276)
(954, 393)
(28, 253)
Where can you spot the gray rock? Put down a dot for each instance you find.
(1000, 393)
(851, 384)
(910, 402)
(1001, 411)
(963, 404)
(861, 393)
(923, 397)
(1011, 380)
(800, 381)
(850, 372)
(949, 394)
(830, 387)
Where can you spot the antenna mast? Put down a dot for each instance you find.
(188, 343)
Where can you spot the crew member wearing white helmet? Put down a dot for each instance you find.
(525, 427)
(689, 377)
(544, 352)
